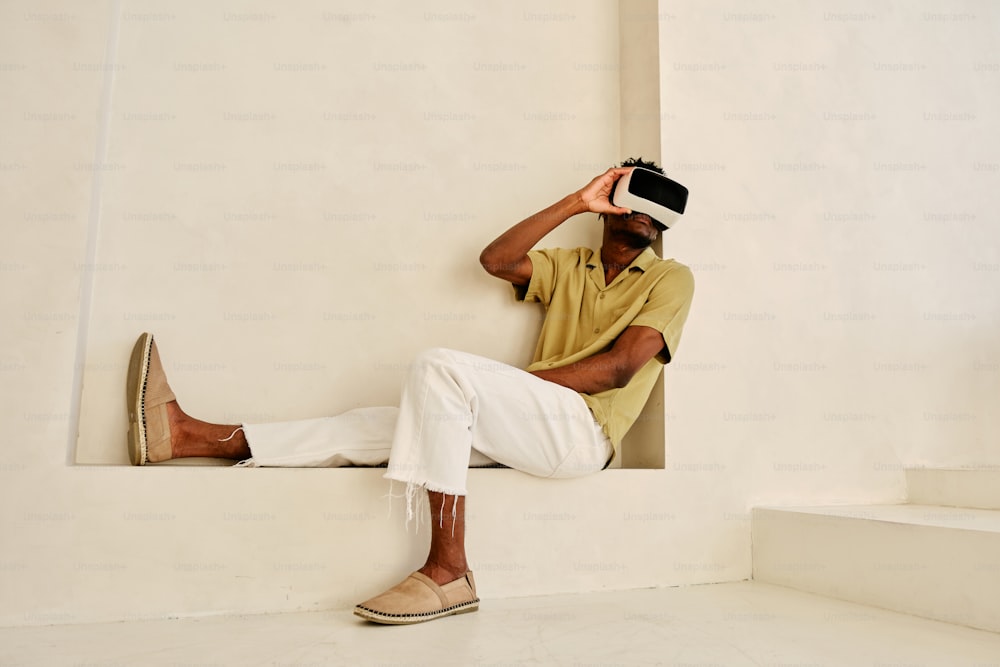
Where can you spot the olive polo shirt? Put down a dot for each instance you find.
(584, 317)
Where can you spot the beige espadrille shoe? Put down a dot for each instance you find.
(146, 395)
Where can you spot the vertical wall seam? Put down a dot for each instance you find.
(622, 64)
(93, 227)
(640, 134)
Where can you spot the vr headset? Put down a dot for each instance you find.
(645, 191)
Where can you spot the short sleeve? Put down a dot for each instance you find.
(543, 277)
(666, 309)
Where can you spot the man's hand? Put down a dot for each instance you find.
(595, 196)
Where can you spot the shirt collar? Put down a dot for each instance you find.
(645, 259)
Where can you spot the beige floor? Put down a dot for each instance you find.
(718, 625)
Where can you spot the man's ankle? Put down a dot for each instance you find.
(177, 427)
(442, 575)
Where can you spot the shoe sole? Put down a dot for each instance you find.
(135, 394)
(408, 619)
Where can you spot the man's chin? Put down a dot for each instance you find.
(636, 241)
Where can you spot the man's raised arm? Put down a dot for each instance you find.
(507, 256)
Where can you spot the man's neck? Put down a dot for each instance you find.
(616, 257)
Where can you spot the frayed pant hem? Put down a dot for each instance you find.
(415, 501)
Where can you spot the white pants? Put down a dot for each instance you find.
(456, 410)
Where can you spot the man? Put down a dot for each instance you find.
(614, 317)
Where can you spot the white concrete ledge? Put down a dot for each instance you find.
(932, 561)
(966, 487)
(168, 541)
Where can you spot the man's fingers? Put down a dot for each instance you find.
(612, 175)
(618, 172)
(605, 206)
(596, 193)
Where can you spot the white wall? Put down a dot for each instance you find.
(172, 167)
(844, 167)
(301, 194)
(95, 542)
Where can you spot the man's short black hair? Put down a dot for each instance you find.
(639, 162)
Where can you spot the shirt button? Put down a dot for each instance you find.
(597, 331)
(602, 296)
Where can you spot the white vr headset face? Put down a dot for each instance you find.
(645, 191)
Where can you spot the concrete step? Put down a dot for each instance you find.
(965, 487)
(928, 560)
